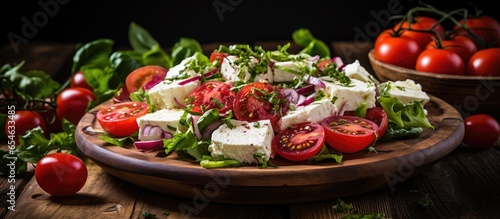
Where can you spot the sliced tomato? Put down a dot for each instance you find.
(260, 101)
(376, 115)
(299, 142)
(349, 134)
(210, 95)
(119, 119)
(143, 75)
(218, 56)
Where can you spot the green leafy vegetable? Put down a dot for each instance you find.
(325, 154)
(395, 132)
(140, 39)
(312, 46)
(95, 54)
(184, 48)
(219, 162)
(35, 83)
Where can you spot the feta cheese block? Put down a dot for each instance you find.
(356, 71)
(168, 95)
(232, 71)
(179, 69)
(242, 141)
(286, 71)
(352, 95)
(406, 91)
(314, 112)
(166, 119)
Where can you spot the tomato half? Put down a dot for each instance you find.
(72, 103)
(349, 134)
(210, 95)
(78, 80)
(141, 76)
(259, 101)
(481, 131)
(61, 174)
(440, 61)
(119, 119)
(299, 142)
(23, 121)
(399, 51)
(376, 115)
(485, 62)
(218, 56)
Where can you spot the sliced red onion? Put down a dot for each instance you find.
(179, 103)
(290, 94)
(343, 108)
(308, 100)
(314, 81)
(301, 100)
(149, 145)
(196, 129)
(314, 58)
(338, 61)
(156, 132)
(207, 134)
(154, 81)
(198, 77)
(305, 89)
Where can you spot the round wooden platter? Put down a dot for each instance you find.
(289, 182)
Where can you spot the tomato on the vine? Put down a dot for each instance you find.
(119, 119)
(258, 101)
(23, 121)
(485, 27)
(421, 29)
(78, 80)
(349, 134)
(72, 103)
(440, 61)
(399, 51)
(485, 62)
(481, 131)
(460, 44)
(299, 142)
(211, 95)
(61, 174)
(141, 76)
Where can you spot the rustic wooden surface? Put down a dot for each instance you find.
(464, 184)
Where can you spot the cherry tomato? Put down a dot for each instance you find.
(218, 56)
(376, 115)
(485, 27)
(481, 131)
(23, 121)
(259, 101)
(440, 61)
(121, 95)
(349, 134)
(382, 35)
(141, 76)
(299, 142)
(61, 174)
(416, 30)
(210, 95)
(460, 44)
(399, 51)
(119, 119)
(78, 80)
(485, 62)
(72, 103)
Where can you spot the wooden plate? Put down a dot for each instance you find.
(290, 182)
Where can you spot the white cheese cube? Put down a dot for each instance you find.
(167, 95)
(242, 141)
(177, 70)
(288, 70)
(356, 71)
(314, 112)
(166, 119)
(406, 91)
(354, 94)
(231, 71)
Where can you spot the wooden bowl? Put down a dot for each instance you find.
(468, 94)
(358, 173)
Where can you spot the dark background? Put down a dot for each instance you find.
(244, 21)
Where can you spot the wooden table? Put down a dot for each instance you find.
(464, 184)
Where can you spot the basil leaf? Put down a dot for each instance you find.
(140, 39)
(124, 62)
(157, 56)
(95, 53)
(34, 83)
(185, 47)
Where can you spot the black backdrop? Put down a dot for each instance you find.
(205, 20)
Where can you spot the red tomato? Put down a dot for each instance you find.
(376, 115)
(440, 61)
(23, 121)
(259, 101)
(323, 63)
(481, 131)
(61, 174)
(349, 134)
(78, 80)
(382, 35)
(210, 95)
(485, 62)
(485, 27)
(460, 44)
(218, 56)
(72, 103)
(121, 95)
(141, 76)
(299, 142)
(416, 30)
(399, 51)
(119, 119)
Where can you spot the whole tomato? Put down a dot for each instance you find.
(481, 131)
(485, 27)
(23, 121)
(399, 51)
(485, 62)
(78, 80)
(460, 44)
(440, 61)
(61, 174)
(72, 103)
(421, 29)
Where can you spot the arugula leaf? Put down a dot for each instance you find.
(410, 115)
(140, 39)
(325, 154)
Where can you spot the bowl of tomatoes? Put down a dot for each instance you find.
(452, 55)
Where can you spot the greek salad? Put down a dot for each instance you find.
(245, 105)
